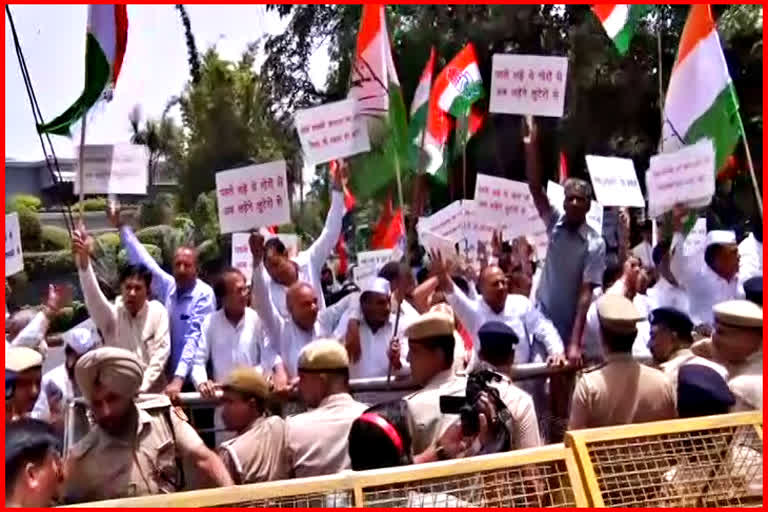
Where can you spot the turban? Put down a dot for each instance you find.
(117, 369)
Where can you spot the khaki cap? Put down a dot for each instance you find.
(739, 313)
(19, 359)
(617, 314)
(323, 355)
(246, 379)
(430, 325)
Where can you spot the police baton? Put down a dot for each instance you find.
(394, 337)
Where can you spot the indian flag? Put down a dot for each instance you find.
(701, 100)
(459, 84)
(619, 22)
(430, 127)
(105, 43)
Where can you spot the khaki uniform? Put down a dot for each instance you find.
(621, 392)
(524, 425)
(257, 455)
(428, 422)
(143, 463)
(746, 383)
(318, 439)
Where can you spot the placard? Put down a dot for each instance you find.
(615, 181)
(684, 177)
(241, 250)
(362, 275)
(434, 242)
(528, 84)
(377, 258)
(506, 203)
(478, 228)
(14, 259)
(331, 131)
(447, 222)
(252, 196)
(556, 196)
(113, 169)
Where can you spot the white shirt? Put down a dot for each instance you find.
(665, 295)
(55, 381)
(750, 259)
(229, 346)
(704, 287)
(284, 336)
(310, 262)
(374, 361)
(644, 252)
(519, 313)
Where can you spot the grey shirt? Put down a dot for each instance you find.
(573, 258)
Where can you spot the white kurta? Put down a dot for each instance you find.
(665, 295)
(750, 259)
(56, 382)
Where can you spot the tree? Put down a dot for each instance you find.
(163, 138)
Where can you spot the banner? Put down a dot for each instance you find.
(615, 181)
(252, 196)
(528, 84)
(113, 169)
(556, 196)
(14, 259)
(331, 131)
(447, 222)
(376, 258)
(506, 203)
(686, 176)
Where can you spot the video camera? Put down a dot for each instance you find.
(467, 406)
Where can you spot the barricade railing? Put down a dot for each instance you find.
(711, 461)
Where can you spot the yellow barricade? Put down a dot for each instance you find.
(539, 477)
(712, 461)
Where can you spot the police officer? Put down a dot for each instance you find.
(136, 445)
(32, 464)
(23, 373)
(318, 438)
(257, 453)
(621, 391)
(753, 290)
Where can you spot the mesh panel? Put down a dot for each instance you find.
(706, 468)
(331, 499)
(537, 485)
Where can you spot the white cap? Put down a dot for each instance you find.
(378, 285)
(720, 237)
(82, 337)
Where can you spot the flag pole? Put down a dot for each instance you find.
(81, 173)
(661, 87)
(751, 169)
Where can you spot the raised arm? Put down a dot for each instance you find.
(102, 311)
(533, 172)
(33, 334)
(260, 300)
(323, 246)
(159, 348)
(162, 282)
(467, 310)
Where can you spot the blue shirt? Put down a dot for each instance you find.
(186, 308)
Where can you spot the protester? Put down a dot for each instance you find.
(282, 271)
(136, 447)
(257, 454)
(23, 373)
(58, 385)
(621, 391)
(318, 438)
(134, 322)
(33, 469)
(751, 254)
(667, 292)
(27, 328)
(187, 299)
(644, 250)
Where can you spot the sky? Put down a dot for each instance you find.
(155, 68)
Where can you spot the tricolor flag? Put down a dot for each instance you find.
(375, 85)
(389, 231)
(701, 100)
(105, 43)
(459, 84)
(620, 21)
(562, 171)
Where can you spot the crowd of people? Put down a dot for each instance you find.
(454, 329)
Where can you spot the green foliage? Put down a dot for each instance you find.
(31, 229)
(184, 222)
(54, 238)
(164, 237)
(205, 215)
(108, 242)
(154, 251)
(20, 202)
(92, 204)
(68, 317)
(49, 263)
(158, 210)
(208, 251)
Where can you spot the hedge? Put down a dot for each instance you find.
(31, 230)
(55, 238)
(48, 263)
(92, 204)
(20, 202)
(154, 251)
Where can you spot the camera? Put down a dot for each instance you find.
(467, 406)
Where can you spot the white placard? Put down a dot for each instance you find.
(478, 227)
(252, 196)
(241, 250)
(615, 181)
(434, 242)
(696, 240)
(447, 222)
(556, 196)
(362, 275)
(113, 169)
(528, 84)
(331, 131)
(14, 259)
(686, 176)
(506, 203)
(377, 259)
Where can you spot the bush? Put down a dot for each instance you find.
(31, 230)
(163, 236)
(208, 251)
(54, 238)
(206, 216)
(154, 251)
(184, 222)
(92, 204)
(44, 265)
(157, 210)
(109, 241)
(23, 202)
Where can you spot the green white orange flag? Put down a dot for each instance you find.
(701, 100)
(106, 39)
(459, 84)
(620, 21)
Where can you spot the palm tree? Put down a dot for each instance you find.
(163, 138)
